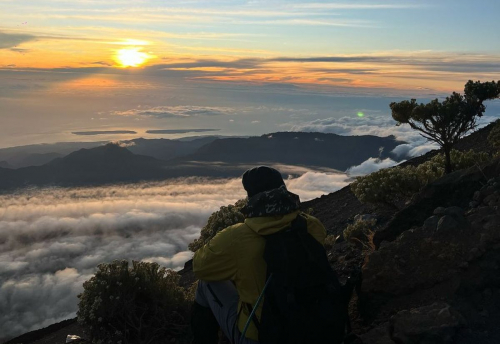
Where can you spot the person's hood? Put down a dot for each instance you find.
(266, 225)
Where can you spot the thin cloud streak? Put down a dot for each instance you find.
(347, 6)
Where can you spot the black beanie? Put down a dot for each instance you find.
(260, 179)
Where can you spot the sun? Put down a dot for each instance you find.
(131, 57)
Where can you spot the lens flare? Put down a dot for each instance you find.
(131, 57)
(360, 114)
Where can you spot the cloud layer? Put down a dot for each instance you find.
(378, 126)
(52, 239)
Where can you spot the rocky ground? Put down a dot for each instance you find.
(435, 274)
(438, 281)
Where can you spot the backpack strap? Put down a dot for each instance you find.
(252, 312)
(255, 321)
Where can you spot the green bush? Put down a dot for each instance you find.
(361, 234)
(359, 229)
(392, 185)
(494, 136)
(224, 217)
(138, 304)
(386, 186)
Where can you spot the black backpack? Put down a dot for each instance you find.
(304, 302)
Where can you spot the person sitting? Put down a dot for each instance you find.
(231, 268)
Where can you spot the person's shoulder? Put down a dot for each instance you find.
(236, 228)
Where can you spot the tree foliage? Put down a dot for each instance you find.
(391, 186)
(445, 122)
(139, 304)
(226, 216)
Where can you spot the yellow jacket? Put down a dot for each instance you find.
(236, 254)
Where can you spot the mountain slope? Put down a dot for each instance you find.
(105, 164)
(296, 148)
(165, 149)
(22, 156)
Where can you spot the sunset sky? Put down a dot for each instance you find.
(243, 67)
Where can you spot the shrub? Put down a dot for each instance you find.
(359, 229)
(494, 136)
(390, 186)
(224, 217)
(361, 233)
(459, 159)
(138, 304)
(386, 186)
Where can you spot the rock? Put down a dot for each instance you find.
(383, 244)
(474, 253)
(484, 240)
(436, 323)
(484, 313)
(477, 196)
(456, 212)
(439, 211)
(365, 217)
(431, 223)
(377, 335)
(473, 204)
(446, 224)
(493, 198)
(73, 339)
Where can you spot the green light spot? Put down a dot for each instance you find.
(360, 114)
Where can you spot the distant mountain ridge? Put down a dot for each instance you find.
(204, 157)
(37, 155)
(297, 148)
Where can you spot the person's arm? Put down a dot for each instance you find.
(316, 229)
(216, 260)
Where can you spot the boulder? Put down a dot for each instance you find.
(436, 323)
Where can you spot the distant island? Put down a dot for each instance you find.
(104, 132)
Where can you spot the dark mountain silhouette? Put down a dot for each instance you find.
(165, 149)
(36, 159)
(296, 148)
(4, 164)
(215, 158)
(105, 164)
(35, 155)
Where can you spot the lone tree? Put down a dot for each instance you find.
(447, 121)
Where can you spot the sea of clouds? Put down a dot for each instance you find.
(52, 239)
